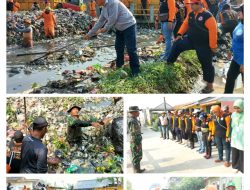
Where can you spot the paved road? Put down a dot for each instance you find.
(163, 156)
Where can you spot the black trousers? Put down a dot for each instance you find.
(207, 144)
(203, 52)
(232, 75)
(190, 137)
(173, 133)
(238, 159)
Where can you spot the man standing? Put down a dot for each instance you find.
(134, 127)
(176, 123)
(167, 10)
(213, 6)
(197, 124)
(228, 19)
(164, 122)
(170, 125)
(16, 6)
(201, 29)
(74, 132)
(115, 13)
(49, 22)
(221, 134)
(33, 151)
(190, 129)
(92, 8)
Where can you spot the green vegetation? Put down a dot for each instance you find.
(187, 183)
(155, 77)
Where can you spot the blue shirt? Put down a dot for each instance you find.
(238, 44)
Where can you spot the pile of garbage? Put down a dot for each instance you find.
(69, 23)
(101, 150)
(224, 46)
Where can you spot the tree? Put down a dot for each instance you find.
(187, 183)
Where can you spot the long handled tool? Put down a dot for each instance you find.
(48, 53)
(45, 52)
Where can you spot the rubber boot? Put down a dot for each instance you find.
(139, 170)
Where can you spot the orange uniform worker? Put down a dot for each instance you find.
(183, 8)
(126, 3)
(49, 22)
(27, 33)
(92, 8)
(220, 132)
(16, 6)
(201, 29)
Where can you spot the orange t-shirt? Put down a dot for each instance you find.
(16, 7)
(49, 19)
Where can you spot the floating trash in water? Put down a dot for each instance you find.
(101, 149)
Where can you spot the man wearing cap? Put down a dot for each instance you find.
(74, 132)
(14, 152)
(49, 22)
(231, 186)
(221, 134)
(115, 13)
(201, 29)
(134, 128)
(27, 32)
(34, 152)
(164, 125)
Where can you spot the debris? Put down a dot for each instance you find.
(101, 150)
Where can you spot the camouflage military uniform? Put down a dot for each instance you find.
(134, 127)
(74, 133)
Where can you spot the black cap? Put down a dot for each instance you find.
(134, 109)
(72, 107)
(18, 136)
(38, 123)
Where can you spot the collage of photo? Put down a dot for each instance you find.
(124, 95)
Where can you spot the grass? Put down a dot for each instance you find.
(155, 77)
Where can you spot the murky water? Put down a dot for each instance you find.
(21, 81)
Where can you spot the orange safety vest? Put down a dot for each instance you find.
(16, 7)
(92, 6)
(126, 2)
(49, 19)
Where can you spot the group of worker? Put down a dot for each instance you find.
(27, 30)
(192, 22)
(219, 127)
(28, 154)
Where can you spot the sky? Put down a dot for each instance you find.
(147, 180)
(152, 101)
(62, 180)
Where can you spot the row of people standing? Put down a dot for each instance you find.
(219, 127)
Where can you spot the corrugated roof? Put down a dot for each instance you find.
(161, 107)
(91, 184)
